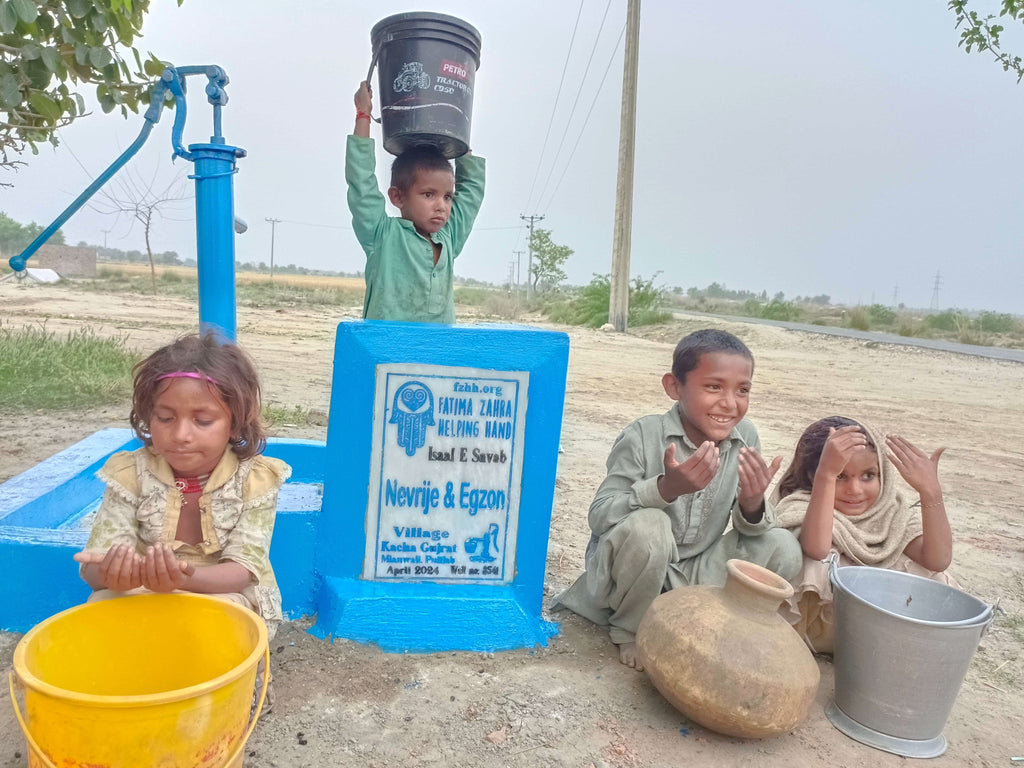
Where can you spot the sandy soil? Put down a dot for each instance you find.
(571, 703)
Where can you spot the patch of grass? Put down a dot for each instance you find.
(39, 369)
(114, 280)
(473, 296)
(278, 416)
(248, 293)
(910, 326)
(504, 305)
(860, 319)
(267, 294)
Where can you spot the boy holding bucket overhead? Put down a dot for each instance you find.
(410, 260)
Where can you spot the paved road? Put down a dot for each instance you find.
(996, 353)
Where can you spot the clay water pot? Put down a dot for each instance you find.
(726, 659)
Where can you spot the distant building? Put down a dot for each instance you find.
(67, 260)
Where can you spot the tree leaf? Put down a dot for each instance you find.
(154, 67)
(51, 58)
(31, 50)
(44, 105)
(99, 22)
(81, 54)
(79, 9)
(10, 91)
(26, 10)
(8, 18)
(99, 56)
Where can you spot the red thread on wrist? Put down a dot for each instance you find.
(360, 115)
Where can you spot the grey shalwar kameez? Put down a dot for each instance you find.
(642, 545)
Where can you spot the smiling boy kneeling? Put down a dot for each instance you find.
(674, 481)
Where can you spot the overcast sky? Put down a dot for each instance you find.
(841, 148)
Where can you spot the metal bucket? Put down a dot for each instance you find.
(902, 647)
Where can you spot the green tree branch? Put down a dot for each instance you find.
(49, 49)
(982, 33)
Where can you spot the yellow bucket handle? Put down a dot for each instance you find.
(47, 763)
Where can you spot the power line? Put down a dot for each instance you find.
(554, 108)
(579, 91)
(593, 104)
(311, 224)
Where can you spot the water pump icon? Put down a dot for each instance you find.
(484, 542)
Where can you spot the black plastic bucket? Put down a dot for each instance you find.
(426, 64)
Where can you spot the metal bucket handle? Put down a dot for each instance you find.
(369, 74)
(985, 617)
(47, 763)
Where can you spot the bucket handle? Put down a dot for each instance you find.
(24, 726)
(833, 567)
(47, 763)
(369, 74)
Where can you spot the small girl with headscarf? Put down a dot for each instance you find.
(840, 494)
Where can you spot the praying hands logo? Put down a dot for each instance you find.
(413, 412)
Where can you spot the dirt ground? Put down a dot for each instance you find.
(571, 703)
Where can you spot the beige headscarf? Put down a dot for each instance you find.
(877, 537)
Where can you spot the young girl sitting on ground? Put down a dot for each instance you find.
(839, 493)
(194, 509)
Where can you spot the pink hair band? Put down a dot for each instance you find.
(189, 375)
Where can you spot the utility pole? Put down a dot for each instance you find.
(517, 254)
(529, 262)
(935, 290)
(618, 302)
(895, 296)
(273, 227)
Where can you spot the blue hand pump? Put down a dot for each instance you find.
(214, 172)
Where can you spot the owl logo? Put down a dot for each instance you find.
(413, 412)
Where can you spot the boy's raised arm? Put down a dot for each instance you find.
(364, 106)
(470, 173)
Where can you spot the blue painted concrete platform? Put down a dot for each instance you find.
(46, 513)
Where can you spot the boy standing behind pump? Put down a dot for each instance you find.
(410, 260)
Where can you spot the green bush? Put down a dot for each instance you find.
(776, 309)
(949, 320)
(590, 307)
(995, 322)
(881, 315)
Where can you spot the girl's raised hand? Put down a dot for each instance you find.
(162, 571)
(119, 569)
(840, 446)
(920, 470)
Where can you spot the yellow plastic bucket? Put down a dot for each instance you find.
(150, 680)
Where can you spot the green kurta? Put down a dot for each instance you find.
(402, 281)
